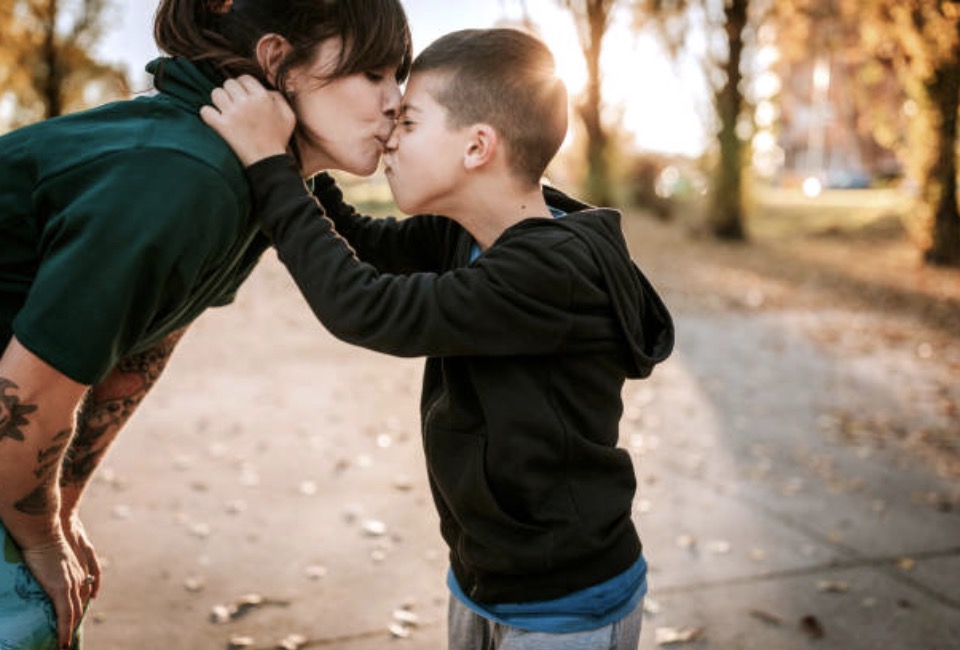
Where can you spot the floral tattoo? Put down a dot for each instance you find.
(48, 460)
(102, 414)
(12, 412)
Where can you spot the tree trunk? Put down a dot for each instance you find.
(598, 171)
(51, 85)
(725, 218)
(939, 185)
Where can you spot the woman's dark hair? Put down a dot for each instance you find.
(375, 33)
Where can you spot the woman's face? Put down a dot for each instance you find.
(344, 123)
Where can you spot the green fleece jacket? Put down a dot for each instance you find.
(120, 224)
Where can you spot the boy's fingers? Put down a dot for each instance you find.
(250, 84)
(220, 98)
(234, 89)
(211, 117)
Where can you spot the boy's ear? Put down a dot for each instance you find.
(271, 50)
(482, 146)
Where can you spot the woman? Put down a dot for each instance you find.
(119, 226)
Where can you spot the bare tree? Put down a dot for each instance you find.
(592, 19)
(46, 48)
(728, 26)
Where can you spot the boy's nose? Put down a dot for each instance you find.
(393, 141)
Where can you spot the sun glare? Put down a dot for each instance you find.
(654, 99)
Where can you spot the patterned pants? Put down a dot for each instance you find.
(27, 619)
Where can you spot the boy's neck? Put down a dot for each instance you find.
(488, 209)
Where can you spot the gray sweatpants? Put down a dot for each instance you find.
(467, 630)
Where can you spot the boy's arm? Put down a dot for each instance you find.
(391, 245)
(485, 309)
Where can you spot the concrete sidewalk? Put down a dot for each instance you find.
(273, 460)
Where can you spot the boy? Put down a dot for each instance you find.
(530, 312)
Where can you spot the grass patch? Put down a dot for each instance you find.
(776, 213)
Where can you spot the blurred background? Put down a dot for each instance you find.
(787, 172)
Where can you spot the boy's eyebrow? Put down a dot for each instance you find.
(406, 108)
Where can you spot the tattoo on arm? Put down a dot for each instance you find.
(38, 501)
(12, 412)
(106, 408)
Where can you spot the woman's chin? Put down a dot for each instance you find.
(355, 167)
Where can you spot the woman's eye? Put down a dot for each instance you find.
(375, 77)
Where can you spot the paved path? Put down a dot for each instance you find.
(273, 460)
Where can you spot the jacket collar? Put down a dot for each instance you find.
(189, 83)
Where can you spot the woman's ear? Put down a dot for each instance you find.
(271, 50)
(481, 146)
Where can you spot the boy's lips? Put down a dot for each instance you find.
(387, 164)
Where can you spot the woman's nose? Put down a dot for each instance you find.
(391, 101)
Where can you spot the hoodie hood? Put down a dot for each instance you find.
(187, 82)
(645, 321)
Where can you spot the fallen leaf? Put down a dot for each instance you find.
(374, 528)
(830, 587)
(240, 642)
(675, 636)
(687, 541)
(292, 642)
(766, 617)
(719, 546)
(316, 572)
(399, 631)
(811, 626)
(194, 584)
(244, 605)
(406, 617)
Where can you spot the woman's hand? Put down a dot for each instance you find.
(257, 123)
(85, 553)
(56, 568)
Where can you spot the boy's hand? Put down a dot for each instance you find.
(257, 123)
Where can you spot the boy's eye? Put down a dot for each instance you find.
(375, 77)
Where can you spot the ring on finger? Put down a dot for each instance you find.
(89, 580)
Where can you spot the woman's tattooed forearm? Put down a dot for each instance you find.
(38, 502)
(107, 407)
(93, 422)
(12, 412)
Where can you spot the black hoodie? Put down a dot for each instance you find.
(528, 348)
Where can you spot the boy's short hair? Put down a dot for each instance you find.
(505, 78)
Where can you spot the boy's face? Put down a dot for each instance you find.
(424, 156)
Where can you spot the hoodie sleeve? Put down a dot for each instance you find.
(391, 245)
(485, 309)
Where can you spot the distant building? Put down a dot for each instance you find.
(824, 130)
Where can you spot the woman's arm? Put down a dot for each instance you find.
(37, 405)
(103, 412)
